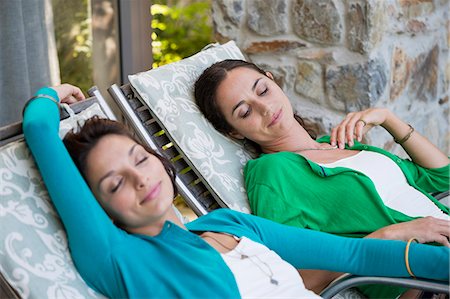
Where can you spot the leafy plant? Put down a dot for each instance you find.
(180, 30)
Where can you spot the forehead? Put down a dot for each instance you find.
(237, 82)
(107, 154)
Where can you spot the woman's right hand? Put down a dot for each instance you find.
(68, 93)
(425, 230)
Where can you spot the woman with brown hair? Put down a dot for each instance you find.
(334, 184)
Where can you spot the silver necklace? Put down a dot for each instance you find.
(244, 256)
(318, 149)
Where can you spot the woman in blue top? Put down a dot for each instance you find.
(127, 241)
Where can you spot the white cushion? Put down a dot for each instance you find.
(34, 256)
(168, 92)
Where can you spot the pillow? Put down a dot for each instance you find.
(34, 256)
(168, 92)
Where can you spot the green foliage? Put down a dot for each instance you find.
(74, 41)
(180, 30)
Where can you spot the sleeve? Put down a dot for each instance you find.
(429, 179)
(308, 249)
(88, 227)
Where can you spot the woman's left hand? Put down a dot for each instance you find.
(356, 124)
(68, 93)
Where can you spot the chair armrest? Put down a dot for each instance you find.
(349, 281)
(440, 195)
(6, 291)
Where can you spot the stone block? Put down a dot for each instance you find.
(400, 72)
(317, 21)
(309, 82)
(418, 75)
(358, 23)
(366, 24)
(415, 26)
(227, 17)
(424, 76)
(353, 87)
(416, 8)
(267, 18)
(273, 46)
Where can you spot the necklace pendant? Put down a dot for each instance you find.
(274, 281)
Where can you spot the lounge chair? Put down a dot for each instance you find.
(34, 257)
(159, 106)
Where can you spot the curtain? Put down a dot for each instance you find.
(28, 57)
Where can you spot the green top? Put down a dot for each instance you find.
(290, 189)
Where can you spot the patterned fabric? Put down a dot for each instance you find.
(34, 255)
(168, 91)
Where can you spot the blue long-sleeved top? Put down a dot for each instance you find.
(177, 262)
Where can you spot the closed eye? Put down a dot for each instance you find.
(246, 113)
(116, 187)
(142, 161)
(264, 92)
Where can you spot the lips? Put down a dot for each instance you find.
(275, 118)
(153, 193)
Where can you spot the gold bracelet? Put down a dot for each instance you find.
(403, 140)
(408, 268)
(40, 96)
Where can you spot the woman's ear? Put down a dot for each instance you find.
(269, 74)
(236, 135)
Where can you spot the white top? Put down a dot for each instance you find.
(391, 184)
(254, 272)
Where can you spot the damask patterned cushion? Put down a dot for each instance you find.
(34, 256)
(168, 92)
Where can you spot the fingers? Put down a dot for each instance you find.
(349, 129)
(431, 229)
(68, 93)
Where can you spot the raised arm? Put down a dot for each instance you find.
(88, 228)
(419, 148)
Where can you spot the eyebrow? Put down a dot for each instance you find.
(130, 152)
(243, 102)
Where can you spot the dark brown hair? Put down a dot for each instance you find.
(80, 144)
(205, 92)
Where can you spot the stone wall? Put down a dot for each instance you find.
(336, 56)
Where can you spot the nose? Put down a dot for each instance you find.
(140, 179)
(265, 108)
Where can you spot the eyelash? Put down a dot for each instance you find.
(116, 187)
(141, 161)
(264, 92)
(249, 110)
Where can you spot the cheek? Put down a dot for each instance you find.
(117, 205)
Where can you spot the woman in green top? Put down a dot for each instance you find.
(301, 181)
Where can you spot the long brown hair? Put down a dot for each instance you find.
(79, 144)
(205, 92)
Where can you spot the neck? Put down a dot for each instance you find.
(155, 228)
(295, 139)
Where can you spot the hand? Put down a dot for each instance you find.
(427, 229)
(356, 124)
(68, 93)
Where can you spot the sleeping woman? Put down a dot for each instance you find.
(336, 183)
